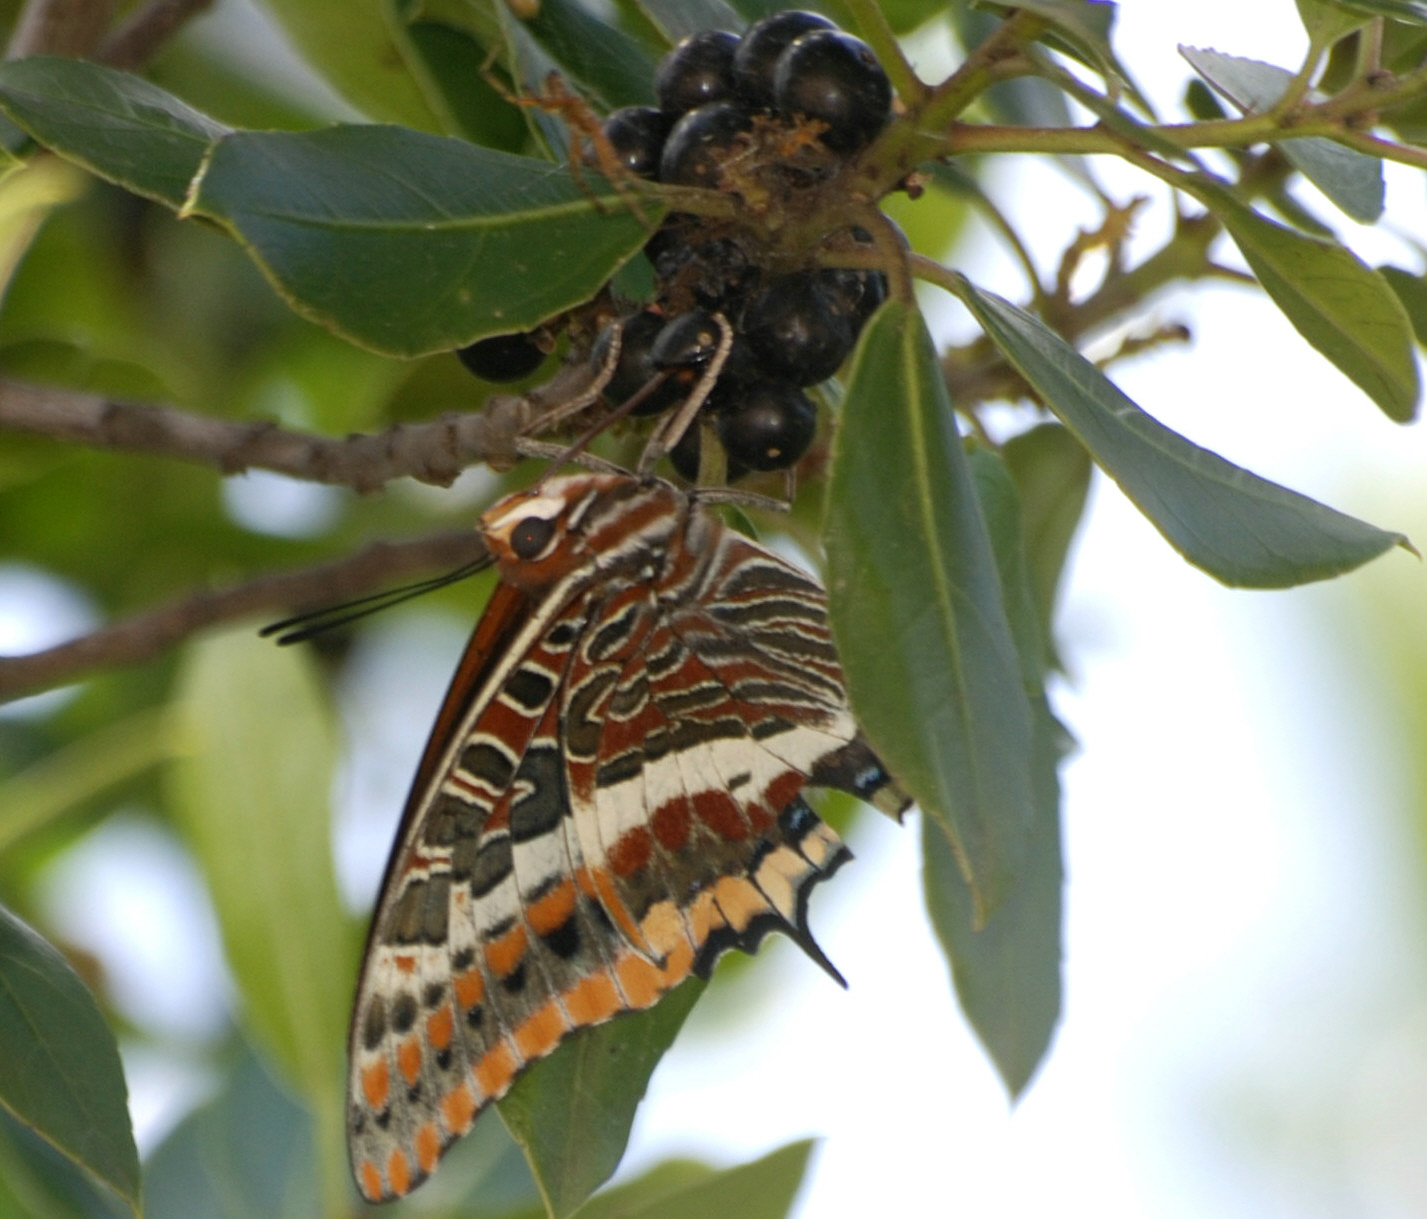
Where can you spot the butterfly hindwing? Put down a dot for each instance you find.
(610, 800)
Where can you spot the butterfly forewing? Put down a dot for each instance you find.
(610, 799)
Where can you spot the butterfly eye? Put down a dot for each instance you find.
(530, 538)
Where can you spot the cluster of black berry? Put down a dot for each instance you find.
(769, 117)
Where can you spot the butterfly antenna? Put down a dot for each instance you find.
(302, 627)
(573, 450)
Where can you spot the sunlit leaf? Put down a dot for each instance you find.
(1412, 292)
(116, 125)
(1326, 21)
(1351, 179)
(916, 606)
(1336, 301)
(762, 1189)
(60, 1073)
(1414, 12)
(253, 797)
(573, 1111)
(1240, 528)
(360, 47)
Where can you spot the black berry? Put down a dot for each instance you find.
(797, 329)
(700, 142)
(771, 427)
(636, 133)
(833, 77)
(635, 368)
(504, 357)
(685, 455)
(697, 71)
(686, 342)
(756, 60)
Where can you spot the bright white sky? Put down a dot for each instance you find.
(1244, 1029)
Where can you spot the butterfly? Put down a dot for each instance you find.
(611, 797)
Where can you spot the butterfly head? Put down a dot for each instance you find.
(541, 535)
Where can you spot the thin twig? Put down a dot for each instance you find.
(135, 42)
(59, 27)
(434, 452)
(147, 635)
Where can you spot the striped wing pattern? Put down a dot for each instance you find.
(611, 798)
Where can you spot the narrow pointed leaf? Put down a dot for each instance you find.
(1007, 973)
(1351, 179)
(116, 125)
(1336, 301)
(60, 1073)
(1238, 527)
(1412, 292)
(1052, 474)
(764, 1188)
(408, 243)
(252, 796)
(572, 1112)
(916, 606)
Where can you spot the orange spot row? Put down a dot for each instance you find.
(369, 1178)
(592, 1000)
(505, 954)
(408, 1059)
(540, 1032)
(469, 989)
(458, 1109)
(374, 1085)
(439, 1027)
(495, 1071)
(740, 901)
(398, 1172)
(428, 1146)
(553, 910)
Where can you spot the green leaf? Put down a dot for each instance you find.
(1007, 973)
(573, 1111)
(252, 796)
(1336, 301)
(617, 69)
(114, 124)
(1241, 529)
(1412, 292)
(1084, 25)
(1326, 22)
(1414, 12)
(60, 1073)
(916, 607)
(679, 18)
(1052, 474)
(249, 1151)
(361, 48)
(408, 243)
(1351, 179)
(29, 193)
(762, 1189)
